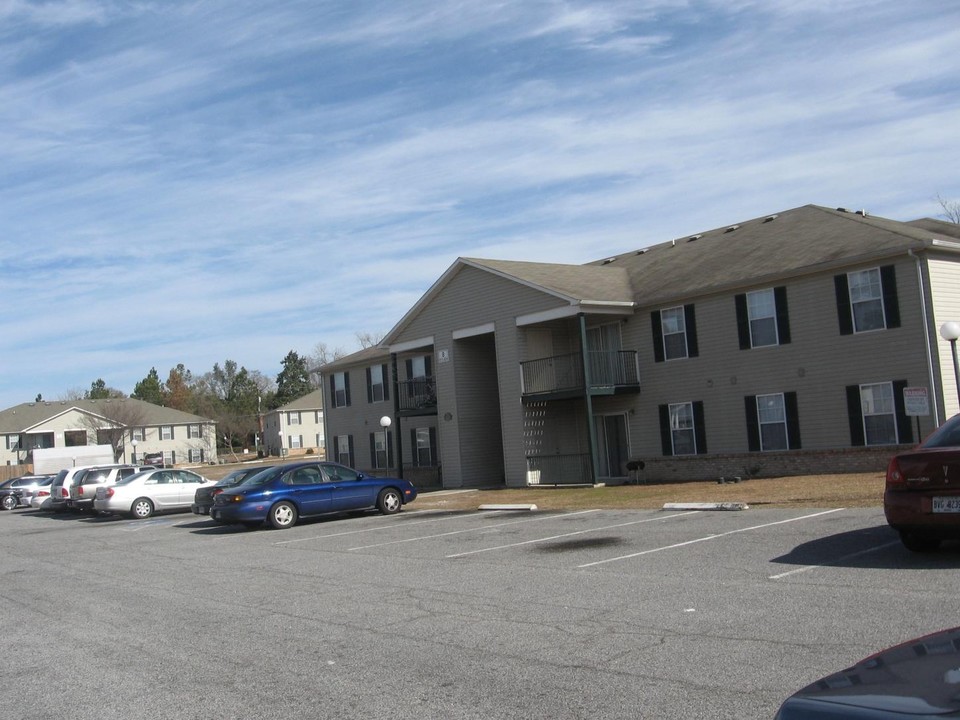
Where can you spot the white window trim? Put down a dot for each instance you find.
(664, 333)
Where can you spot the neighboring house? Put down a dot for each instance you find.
(135, 428)
(803, 341)
(295, 428)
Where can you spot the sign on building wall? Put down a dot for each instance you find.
(915, 401)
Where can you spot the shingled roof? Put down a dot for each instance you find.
(28, 415)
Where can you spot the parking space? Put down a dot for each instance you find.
(593, 613)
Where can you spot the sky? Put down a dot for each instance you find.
(196, 182)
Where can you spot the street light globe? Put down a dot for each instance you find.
(385, 421)
(950, 331)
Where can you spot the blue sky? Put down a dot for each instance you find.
(190, 182)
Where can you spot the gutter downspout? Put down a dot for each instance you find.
(588, 399)
(926, 334)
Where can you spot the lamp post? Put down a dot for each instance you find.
(133, 460)
(282, 450)
(950, 331)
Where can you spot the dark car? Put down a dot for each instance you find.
(18, 491)
(918, 679)
(155, 459)
(203, 500)
(922, 495)
(10, 497)
(287, 492)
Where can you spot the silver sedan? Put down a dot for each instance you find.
(152, 491)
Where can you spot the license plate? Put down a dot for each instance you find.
(946, 504)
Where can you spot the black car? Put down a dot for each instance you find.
(10, 494)
(203, 500)
(918, 679)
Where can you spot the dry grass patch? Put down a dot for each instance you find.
(854, 490)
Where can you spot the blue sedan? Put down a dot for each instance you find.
(283, 494)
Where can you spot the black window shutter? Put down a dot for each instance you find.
(369, 386)
(409, 364)
(346, 387)
(666, 438)
(389, 448)
(753, 423)
(699, 427)
(891, 305)
(373, 450)
(743, 321)
(333, 390)
(413, 447)
(690, 320)
(783, 315)
(844, 314)
(353, 462)
(904, 428)
(428, 366)
(385, 376)
(855, 416)
(434, 450)
(657, 326)
(173, 432)
(793, 420)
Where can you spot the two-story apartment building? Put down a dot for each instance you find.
(295, 428)
(133, 427)
(802, 341)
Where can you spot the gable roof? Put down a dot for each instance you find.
(311, 401)
(25, 416)
(367, 356)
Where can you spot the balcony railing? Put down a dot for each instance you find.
(571, 469)
(609, 370)
(418, 395)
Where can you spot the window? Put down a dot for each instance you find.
(340, 389)
(137, 434)
(674, 333)
(195, 455)
(296, 442)
(762, 318)
(877, 414)
(293, 418)
(867, 300)
(377, 388)
(166, 432)
(418, 368)
(682, 429)
(381, 452)
(193, 431)
(772, 422)
(317, 416)
(13, 442)
(169, 457)
(320, 441)
(423, 441)
(344, 449)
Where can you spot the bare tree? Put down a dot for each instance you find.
(111, 419)
(951, 209)
(368, 339)
(323, 354)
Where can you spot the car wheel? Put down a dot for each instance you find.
(919, 543)
(141, 509)
(389, 501)
(9, 502)
(283, 515)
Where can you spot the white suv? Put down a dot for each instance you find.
(85, 484)
(60, 487)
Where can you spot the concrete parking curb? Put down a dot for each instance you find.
(508, 507)
(706, 506)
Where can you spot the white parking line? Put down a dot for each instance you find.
(708, 537)
(578, 532)
(391, 526)
(842, 558)
(470, 530)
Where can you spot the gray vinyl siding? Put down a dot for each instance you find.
(481, 448)
(473, 298)
(817, 364)
(944, 279)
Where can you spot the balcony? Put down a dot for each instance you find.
(561, 376)
(418, 397)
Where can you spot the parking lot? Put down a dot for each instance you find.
(430, 614)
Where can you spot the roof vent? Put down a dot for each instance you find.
(732, 228)
(641, 251)
(609, 260)
(770, 218)
(842, 210)
(673, 243)
(694, 238)
(862, 212)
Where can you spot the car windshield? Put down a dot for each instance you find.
(130, 478)
(947, 435)
(262, 477)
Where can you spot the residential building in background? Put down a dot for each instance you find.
(296, 428)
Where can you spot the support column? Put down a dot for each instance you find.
(588, 400)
